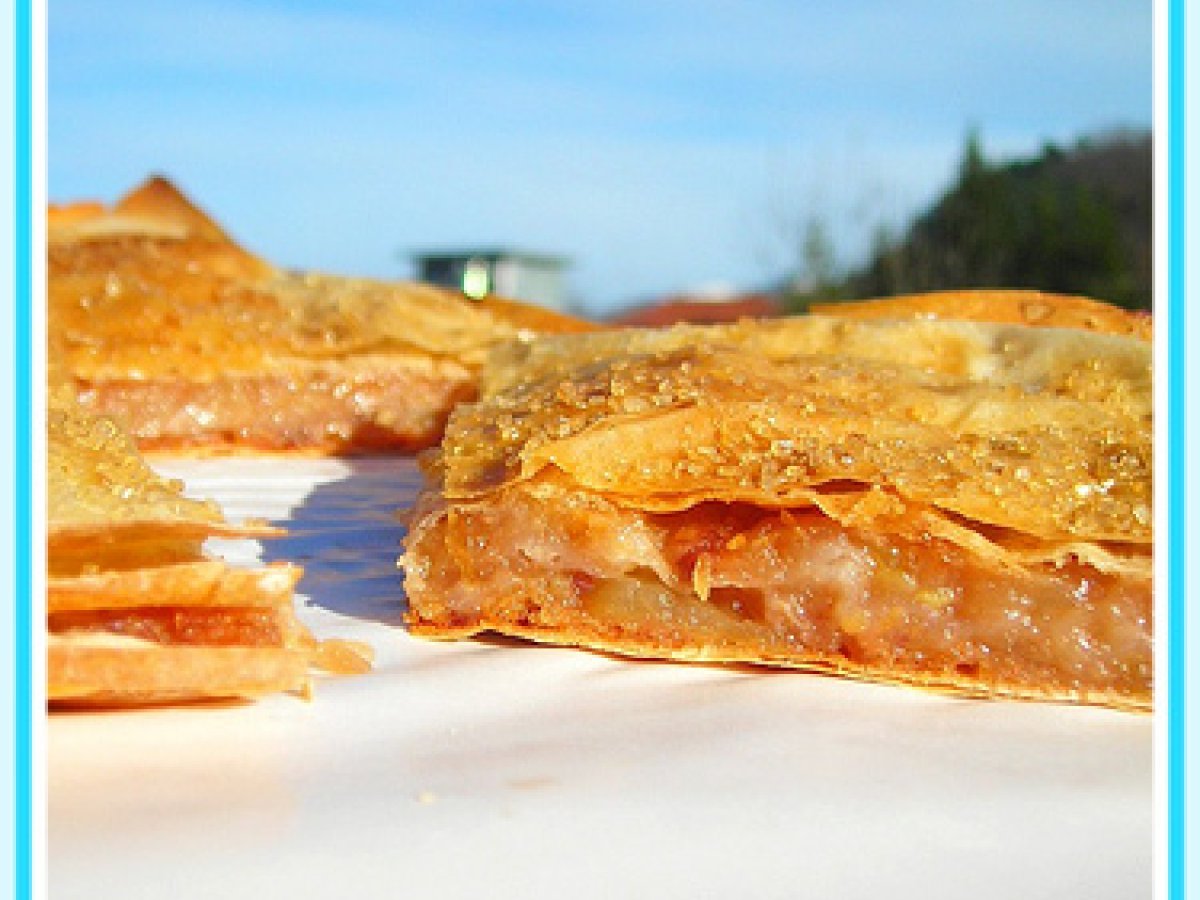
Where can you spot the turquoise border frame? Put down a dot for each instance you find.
(22, 451)
(1177, 469)
(22, 881)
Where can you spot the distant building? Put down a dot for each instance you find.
(700, 309)
(532, 277)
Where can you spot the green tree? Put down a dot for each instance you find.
(1071, 222)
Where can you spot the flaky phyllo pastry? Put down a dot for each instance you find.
(1034, 308)
(158, 318)
(136, 611)
(958, 505)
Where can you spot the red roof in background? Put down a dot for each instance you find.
(684, 308)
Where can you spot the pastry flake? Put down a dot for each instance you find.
(960, 505)
(136, 612)
(1037, 309)
(158, 319)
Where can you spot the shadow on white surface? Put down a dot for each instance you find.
(346, 534)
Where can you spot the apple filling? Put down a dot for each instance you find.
(326, 410)
(204, 626)
(737, 582)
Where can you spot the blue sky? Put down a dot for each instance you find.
(662, 146)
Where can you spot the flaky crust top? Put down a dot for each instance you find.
(1044, 432)
(95, 477)
(153, 287)
(99, 488)
(1016, 307)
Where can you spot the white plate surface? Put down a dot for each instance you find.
(498, 770)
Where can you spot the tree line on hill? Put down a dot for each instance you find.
(1075, 221)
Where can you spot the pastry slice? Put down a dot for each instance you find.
(135, 611)
(959, 505)
(158, 319)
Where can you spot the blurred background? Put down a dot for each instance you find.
(634, 160)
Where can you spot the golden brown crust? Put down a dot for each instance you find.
(158, 199)
(153, 291)
(1046, 432)
(625, 645)
(1033, 308)
(102, 671)
(155, 208)
(206, 582)
(96, 480)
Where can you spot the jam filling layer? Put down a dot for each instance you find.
(741, 582)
